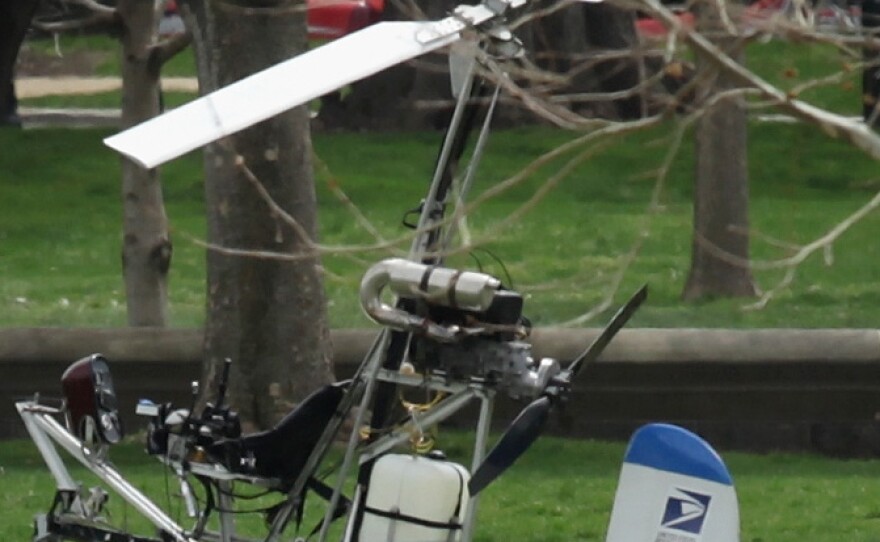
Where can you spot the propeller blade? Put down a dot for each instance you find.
(524, 430)
(527, 427)
(617, 322)
(295, 82)
(281, 87)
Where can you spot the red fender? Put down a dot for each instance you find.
(652, 28)
(329, 19)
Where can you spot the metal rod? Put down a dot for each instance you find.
(474, 164)
(424, 247)
(63, 480)
(227, 518)
(422, 241)
(373, 364)
(484, 425)
(433, 382)
(50, 427)
(327, 438)
(445, 409)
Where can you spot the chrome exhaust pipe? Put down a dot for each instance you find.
(465, 290)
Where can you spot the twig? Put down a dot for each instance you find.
(856, 132)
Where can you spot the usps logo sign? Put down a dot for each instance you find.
(683, 516)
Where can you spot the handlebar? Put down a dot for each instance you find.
(215, 422)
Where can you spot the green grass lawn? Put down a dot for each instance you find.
(560, 491)
(60, 214)
(60, 236)
(104, 100)
(107, 62)
(60, 226)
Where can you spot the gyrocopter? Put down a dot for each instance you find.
(456, 335)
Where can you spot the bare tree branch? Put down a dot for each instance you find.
(168, 48)
(335, 187)
(94, 6)
(538, 98)
(654, 208)
(76, 24)
(856, 132)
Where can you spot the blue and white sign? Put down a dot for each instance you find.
(673, 488)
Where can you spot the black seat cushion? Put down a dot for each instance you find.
(281, 452)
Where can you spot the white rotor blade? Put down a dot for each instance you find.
(281, 87)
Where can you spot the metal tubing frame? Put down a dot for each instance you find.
(462, 394)
(225, 501)
(423, 247)
(63, 480)
(42, 427)
(425, 235)
(442, 411)
(372, 364)
(484, 425)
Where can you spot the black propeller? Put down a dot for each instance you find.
(519, 436)
(617, 322)
(527, 426)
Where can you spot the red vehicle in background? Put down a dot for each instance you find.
(650, 28)
(328, 19)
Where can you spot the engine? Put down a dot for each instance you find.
(465, 325)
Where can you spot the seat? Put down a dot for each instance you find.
(281, 452)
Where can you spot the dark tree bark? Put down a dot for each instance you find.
(267, 316)
(390, 100)
(15, 18)
(568, 42)
(146, 246)
(612, 29)
(383, 101)
(721, 189)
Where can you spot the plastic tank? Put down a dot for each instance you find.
(414, 499)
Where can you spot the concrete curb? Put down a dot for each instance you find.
(36, 87)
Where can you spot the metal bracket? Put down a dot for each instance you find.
(464, 17)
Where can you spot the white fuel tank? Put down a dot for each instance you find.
(414, 499)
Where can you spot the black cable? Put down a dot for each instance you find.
(168, 489)
(216, 486)
(243, 496)
(479, 262)
(500, 262)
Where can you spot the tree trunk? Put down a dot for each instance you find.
(15, 18)
(389, 100)
(568, 41)
(613, 29)
(146, 247)
(380, 102)
(268, 316)
(721, 194)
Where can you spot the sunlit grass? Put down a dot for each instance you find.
(60, 226)
(59, 193)
(69, 43)
(560, 491)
